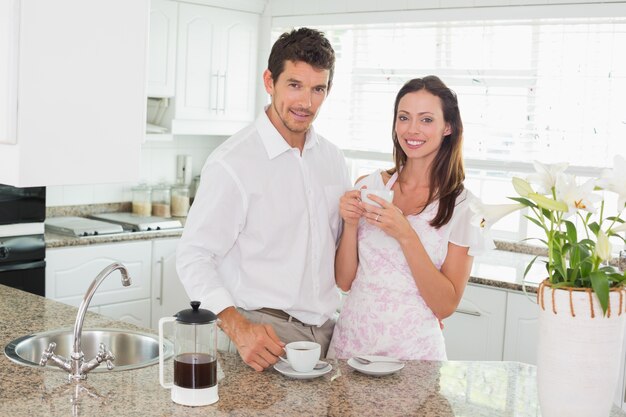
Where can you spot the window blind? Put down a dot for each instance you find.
(546, 89)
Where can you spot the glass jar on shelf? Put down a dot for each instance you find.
(180, 200)
(161, 201)
(142, 200)
(193, 189)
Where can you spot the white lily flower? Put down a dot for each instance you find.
(545, 175)
(485, 215)
(577, 197)
(603, 247)
(615, 180)
(620, 228)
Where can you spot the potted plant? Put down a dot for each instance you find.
(582, 302)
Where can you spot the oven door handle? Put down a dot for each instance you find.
(19, 266)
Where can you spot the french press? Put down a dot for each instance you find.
(195, 356)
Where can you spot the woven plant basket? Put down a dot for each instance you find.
(578, 357)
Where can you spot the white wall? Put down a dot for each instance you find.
(284, 8)
(158, 164)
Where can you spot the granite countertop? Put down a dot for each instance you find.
(422, 388)
(502, 268)
(55, 240)
(498, 268)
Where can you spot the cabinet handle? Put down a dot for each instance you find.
(216, 76)
(223, 107)
(160, 297)
(469, 312)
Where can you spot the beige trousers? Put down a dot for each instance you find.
(286, 331)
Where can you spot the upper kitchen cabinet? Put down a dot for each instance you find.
(72, 90)
(162, 51)
(216, 70)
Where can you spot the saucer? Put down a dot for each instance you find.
(376, 368)
(288, 371)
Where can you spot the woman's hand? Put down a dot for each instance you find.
(350, 207)
(388, 218)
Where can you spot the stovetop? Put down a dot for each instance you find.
(109, 223)
(80, 226)
(135, 223)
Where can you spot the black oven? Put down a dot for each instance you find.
(22, 243)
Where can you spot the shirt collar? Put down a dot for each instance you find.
(273, 141)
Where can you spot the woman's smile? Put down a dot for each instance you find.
(414, 143)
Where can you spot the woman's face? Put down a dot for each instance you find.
(420, 125)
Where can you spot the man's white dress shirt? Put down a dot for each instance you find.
(264, 224)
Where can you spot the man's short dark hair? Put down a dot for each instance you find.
(306, 45)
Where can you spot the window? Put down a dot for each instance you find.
(547, 89)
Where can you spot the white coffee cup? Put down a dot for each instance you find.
(383, 193)
(303, 356)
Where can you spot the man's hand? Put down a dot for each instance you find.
(258, 344)
(349, 207)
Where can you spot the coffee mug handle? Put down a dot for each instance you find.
(161, 376)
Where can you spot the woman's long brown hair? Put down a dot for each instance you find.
(446, 172)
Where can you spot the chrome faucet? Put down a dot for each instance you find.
(76, 365)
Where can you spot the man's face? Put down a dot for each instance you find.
(297, 96)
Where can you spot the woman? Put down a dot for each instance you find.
(406, 263)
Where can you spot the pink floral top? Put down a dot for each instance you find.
(384, 313)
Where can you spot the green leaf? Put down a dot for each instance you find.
(586, 266)
(557, 263)
(594, 227)
(572, 235)
(530, 264)
(588, 243)
(537, 222)
(536, 238)
(572, 274)
(523, 201)
(618, 278)
(548, 214)
(608, 269)
(615, 234)
(600, 286)
(563, 284)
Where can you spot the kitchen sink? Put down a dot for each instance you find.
(132, 350)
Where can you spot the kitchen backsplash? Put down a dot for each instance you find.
(158, 164)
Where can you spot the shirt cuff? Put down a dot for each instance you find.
(217, 300)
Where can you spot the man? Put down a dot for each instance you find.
(259, 242)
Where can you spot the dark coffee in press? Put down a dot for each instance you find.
(195, 370)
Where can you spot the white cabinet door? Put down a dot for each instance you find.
(476, 330)
(80, 70)
(168, 294)
(70, 271)
(620, 394)
(162, 51)
(9, 35)
(238, 67)
(216, 70)
(521, 329)
(133, 312)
